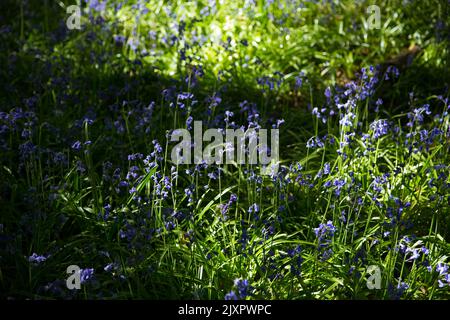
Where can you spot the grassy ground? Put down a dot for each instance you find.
(86, 176)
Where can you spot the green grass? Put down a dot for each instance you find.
(188, 232)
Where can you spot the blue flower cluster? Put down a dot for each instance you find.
(324, 234)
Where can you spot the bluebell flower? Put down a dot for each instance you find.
(228, 115)
(157, 146)
(190, 194)
(133, 43)
(243, 288)
(347, 120)
(325, 230)
(326, 254)
(339, 184)
(299, 80)
(86, 275)
(244, 240)
(215, 100)
(119, 125)
(96, 5)
(254, 208)
(442, 268)
(231, 296)
(35, 258)
(224, 207)
(268, 82)
(378, 103)
(402, 287)
(379, 128)
(327, 93)
(133, 190)
(185, 96)
(81, 168)
(135, 156)
(397, 292)
(123, 184)
(119, 39)
(314, 142)
(170, 225)
(297, 260)
(392, 70)
(414, 255)
(324, 234)
(189, 122)
(133, 173)
(326, 168)
(417, 116)
(268, 230)
(441, 283)
(277, 125)
(320, 114)
(107, 209)
(111, 266)
(76, 146)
